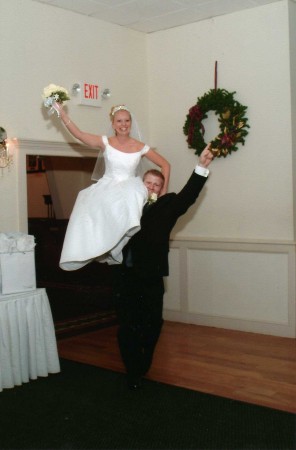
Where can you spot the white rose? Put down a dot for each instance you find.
(152, 198)
(48, 90)
(51, 89)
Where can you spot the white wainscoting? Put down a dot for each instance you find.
(247, 286)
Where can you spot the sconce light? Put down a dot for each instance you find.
(106, 93)
(76, 88)
(5, 157)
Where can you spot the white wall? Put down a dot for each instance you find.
(63, 179)
(249, 194)
(41, 44)
(37, 182)
(232, 262)
(292, 30)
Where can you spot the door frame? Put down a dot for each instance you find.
(42, 148)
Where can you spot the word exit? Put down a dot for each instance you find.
(91, 91)
(89, 94)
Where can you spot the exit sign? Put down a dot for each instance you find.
(88, 94)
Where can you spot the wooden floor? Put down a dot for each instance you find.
(249, 367)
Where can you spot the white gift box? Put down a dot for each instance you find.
(17, 263)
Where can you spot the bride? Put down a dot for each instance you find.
(107, 213)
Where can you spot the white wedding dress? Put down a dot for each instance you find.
(107, 213)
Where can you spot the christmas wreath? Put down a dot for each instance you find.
(233, 123)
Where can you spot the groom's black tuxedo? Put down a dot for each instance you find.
(150, 246)
(139, 287)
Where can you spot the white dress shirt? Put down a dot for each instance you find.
(203, 171)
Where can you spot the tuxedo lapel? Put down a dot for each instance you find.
(159, 203)
(146, 207)
(150, 207)
(152, 210)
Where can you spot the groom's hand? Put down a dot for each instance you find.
(206, 157)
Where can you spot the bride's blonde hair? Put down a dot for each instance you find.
(116, 108)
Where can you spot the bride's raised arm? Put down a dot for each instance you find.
(91, 140)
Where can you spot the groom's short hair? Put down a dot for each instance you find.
(156, 173)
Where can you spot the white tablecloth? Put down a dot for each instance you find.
(28, 346)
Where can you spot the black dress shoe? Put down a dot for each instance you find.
(134, 383)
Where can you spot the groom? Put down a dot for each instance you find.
(138, 282)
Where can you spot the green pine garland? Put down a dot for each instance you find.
(233, 123)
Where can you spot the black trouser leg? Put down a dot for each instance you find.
(151, 323)
(129, 332)
(139, 308)
(129, 341)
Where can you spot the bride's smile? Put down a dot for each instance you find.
(122, 122)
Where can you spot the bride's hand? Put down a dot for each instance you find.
(58, 107)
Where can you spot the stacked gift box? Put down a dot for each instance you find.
(17, 263)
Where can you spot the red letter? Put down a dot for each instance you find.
(86, 90)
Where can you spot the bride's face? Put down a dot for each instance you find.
(122, 123)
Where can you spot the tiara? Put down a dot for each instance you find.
(119, 108)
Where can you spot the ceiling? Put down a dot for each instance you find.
(149, 16)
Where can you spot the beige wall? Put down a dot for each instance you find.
(249, 195)
(37, 183)
(232, 262)
(247, 206)
(63, 179)
(41, 44)
(292, 31)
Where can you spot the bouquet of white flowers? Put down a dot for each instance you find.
(53, 94)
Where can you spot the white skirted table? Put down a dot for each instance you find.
(28, 347)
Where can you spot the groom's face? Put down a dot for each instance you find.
(153, 183)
